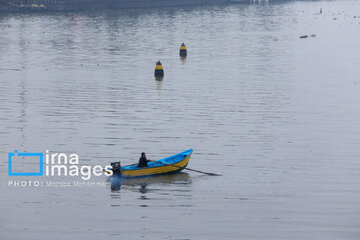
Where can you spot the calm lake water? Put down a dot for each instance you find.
(276, 115)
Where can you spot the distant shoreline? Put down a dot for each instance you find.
(82, 5)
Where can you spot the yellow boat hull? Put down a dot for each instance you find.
(164, 169)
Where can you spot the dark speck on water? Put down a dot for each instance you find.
(277, 116)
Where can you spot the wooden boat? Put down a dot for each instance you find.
(158, 167)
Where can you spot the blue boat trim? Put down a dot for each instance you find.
(177, 157)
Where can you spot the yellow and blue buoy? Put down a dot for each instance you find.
(183, 51)
(159, 70)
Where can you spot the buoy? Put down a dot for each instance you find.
(159, 70)
(183, 51)
(320, 10)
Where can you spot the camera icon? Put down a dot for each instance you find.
(38, 157)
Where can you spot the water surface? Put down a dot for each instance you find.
(277, 115)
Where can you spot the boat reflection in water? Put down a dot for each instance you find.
(144, 182)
